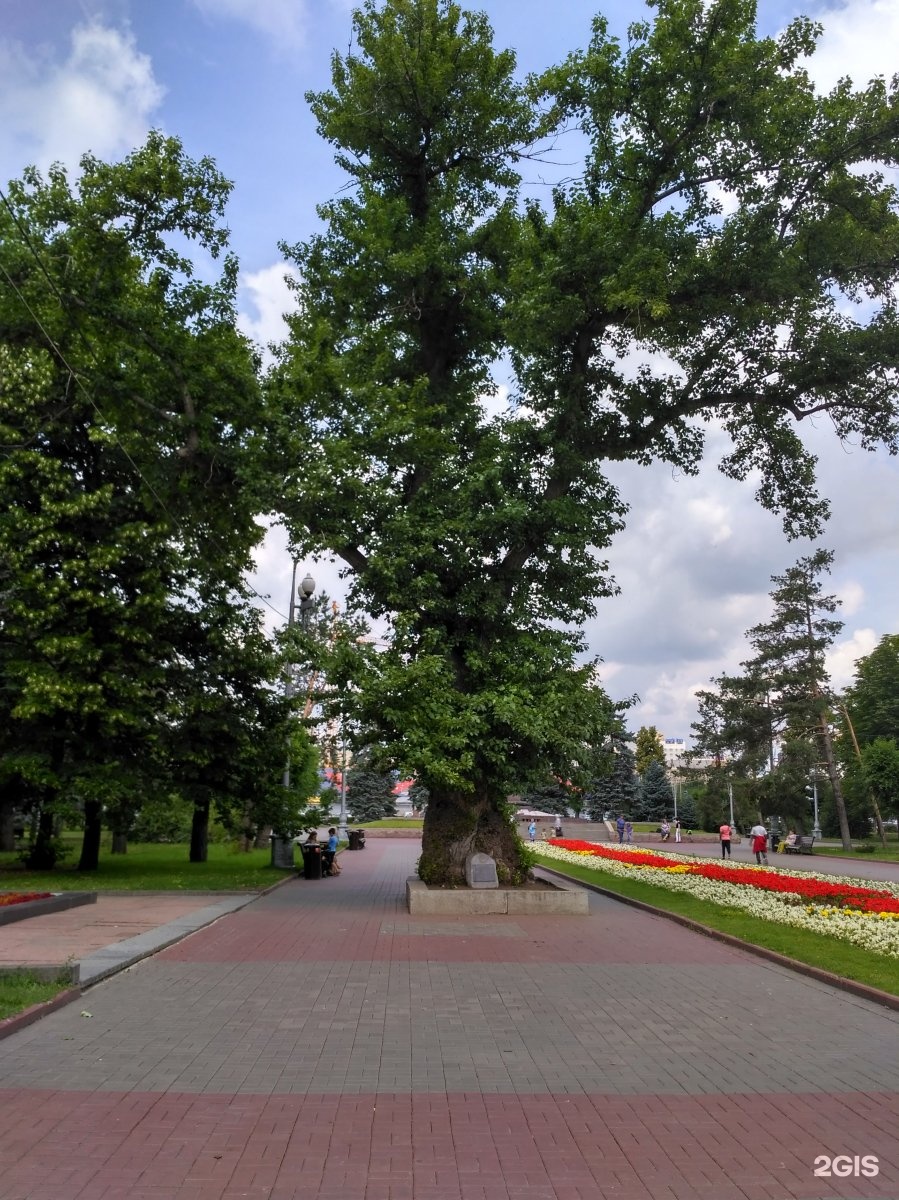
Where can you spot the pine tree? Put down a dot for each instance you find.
(790, 650)
(619, 791)
(656, 796)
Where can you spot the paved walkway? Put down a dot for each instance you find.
(319, 1042)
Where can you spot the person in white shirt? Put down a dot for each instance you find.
(759, 835)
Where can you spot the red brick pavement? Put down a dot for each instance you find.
(78, 1144)
(109, 1146)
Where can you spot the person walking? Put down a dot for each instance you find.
(532, 830)
(629, 832)
(558, 825)
(759, 835)
(725, 834)
(677, 836)
(619, 825)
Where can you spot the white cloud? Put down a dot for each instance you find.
(268, 294)
(851, 597)
(284, 21)
(100, 99)
(859, 41)
(844, 655)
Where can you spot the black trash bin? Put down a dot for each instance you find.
(312, 861)
(353, 839)
(360, 834)
(775, 841)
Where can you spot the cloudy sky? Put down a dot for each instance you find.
(228, 77)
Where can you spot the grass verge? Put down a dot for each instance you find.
(815, 949)
(150, 868)
(19, 991)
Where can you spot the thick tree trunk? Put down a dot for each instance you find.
(42, 856)
(7, 827)
(93, 829)
(120, 843)
(199, 833)
(458, 824)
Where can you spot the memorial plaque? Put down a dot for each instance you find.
(480, 871)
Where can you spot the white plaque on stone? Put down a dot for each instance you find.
(480, 871)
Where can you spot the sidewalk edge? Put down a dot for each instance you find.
(875, 995)
(20, 1020)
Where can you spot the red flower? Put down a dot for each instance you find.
(21, 897)
(818, 891)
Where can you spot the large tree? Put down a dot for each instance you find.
(695, 270)
(128, 402)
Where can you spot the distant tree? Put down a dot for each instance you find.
(618, 791)
(370, 789)
(648, 748)
(686, 810)
(553, 796)
(418, 797)
(656, 796)
(790, 654)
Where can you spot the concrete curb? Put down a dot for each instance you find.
(121, 955)
(564, 898)
(58, 902)
(875, 995)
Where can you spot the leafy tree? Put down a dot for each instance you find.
(127, 411)
(648, 748)
(872, 700)
(656, 797)
(880, 763)
(452, 519)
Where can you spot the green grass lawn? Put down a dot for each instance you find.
(816, 949)
(21, 991)
(871, 849)
(149, 868)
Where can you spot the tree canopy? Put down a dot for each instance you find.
(726, 252)
(128, 409)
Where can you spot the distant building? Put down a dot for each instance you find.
(675, 748)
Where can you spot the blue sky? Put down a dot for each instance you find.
(229, 77)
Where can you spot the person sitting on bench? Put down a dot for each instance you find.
(789, 840)
(330, 865)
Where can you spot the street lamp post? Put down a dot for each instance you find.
(306, 590)
(730, 798)
(816, 828)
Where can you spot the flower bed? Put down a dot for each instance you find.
(832, 904)
(22, 897)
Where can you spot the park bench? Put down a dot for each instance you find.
(803, 845)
